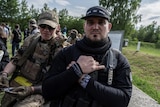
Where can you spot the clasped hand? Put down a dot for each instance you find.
(88, 64)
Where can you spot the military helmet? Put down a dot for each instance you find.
(33, 22)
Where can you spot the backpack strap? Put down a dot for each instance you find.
(111, 65)
(28, 51)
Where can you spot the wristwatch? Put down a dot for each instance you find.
(84, 80)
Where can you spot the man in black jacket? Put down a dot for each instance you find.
(4, 56)
(80, 76)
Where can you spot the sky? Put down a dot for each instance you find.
(150, 9)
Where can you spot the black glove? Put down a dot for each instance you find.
(21, 91)
(4, 82)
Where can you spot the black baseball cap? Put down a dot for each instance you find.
(97, 11)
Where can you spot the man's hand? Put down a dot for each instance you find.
(4, 82)
(21, 91)
(88, 64)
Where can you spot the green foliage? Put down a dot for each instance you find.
(123, 14)
(123, 17)
(158, 44)
(150, 33)
(70, 22)
(20, 13)
(45, 7)
(24, 16)
(9, 11)
(143, 44)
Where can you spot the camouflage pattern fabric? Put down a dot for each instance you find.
(31, 101)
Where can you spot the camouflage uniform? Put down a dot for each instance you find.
(39, 62)
(73, 36)
(31, 101)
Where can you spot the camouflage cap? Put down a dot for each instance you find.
(49, 18)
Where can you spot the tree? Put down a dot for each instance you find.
(69, 21)
(141, 33)
(123, 14)
(63, 18)
(34, 12)
(9, 11)
(75, 23)
(24, 15)
(45, 7)
(150, 33)
(157, 33)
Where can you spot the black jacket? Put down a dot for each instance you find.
(5, 59)
(60, 82)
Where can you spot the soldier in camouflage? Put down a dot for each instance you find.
(33, 27)
(30, 64)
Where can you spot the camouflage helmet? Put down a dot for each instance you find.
(33, 22)
(74, 31)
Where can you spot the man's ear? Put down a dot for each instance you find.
(84, 25)
(109, 26)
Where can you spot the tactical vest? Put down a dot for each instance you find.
(36, 64)
(32, 68)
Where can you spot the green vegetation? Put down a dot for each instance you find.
(150, 51)
(145, 69)
(123, 18)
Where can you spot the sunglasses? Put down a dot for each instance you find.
(43, 26)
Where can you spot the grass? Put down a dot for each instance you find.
(145, 69)
(150, 51)
(9, 49)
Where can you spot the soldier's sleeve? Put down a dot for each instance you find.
(22, 49)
